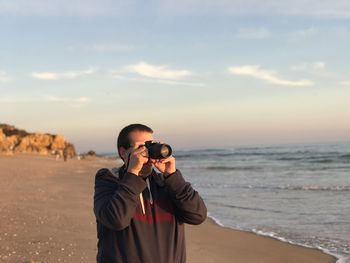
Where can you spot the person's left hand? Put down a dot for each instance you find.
(165, 166)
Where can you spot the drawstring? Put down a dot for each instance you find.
(142, 204)
(149, 189)
(150, 197)
(141, 196)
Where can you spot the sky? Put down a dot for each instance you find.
(199, 73)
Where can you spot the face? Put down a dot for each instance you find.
(138, 138)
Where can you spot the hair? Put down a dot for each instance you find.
(123, 137)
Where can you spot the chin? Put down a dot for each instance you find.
(146, 170)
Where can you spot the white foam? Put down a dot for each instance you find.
(340, 258)
(217, 221)
(343, 259)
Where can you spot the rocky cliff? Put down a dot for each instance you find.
(13, 140)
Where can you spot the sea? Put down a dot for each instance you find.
(295, 193)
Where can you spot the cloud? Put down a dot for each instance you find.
(161, 81)
(345, 83)
(157, 72)
(63, 7)
(102, 48)
(313, 8)
(62, 75)
(303, 34)
(319, 65)
(8, 99)
(45, 98)
(269, 76)
(4, 77)
(321, 33)
(66, 99)
(82, 100)
(108, 48)
(253, 33)
(307, 8)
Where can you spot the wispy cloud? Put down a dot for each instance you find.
(313, 8)
(345, 83)
(309, 66)
(7, 99)
(157, 72)
(62, 75)
(66, 99)
(160, 81)
(102, 48)
(255, 71)
(321, 33)
(4, 77)
(63, 7)
(109, 48)
(303, 34)
(253, 33)
(44, 98)
(308, 8)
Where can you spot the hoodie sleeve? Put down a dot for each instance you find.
(190, 206)
(115, 201)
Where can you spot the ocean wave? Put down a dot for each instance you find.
(183, 156)
(316, 158)
(283, 157)
(336, 188)
(292, 157)
(322, 161)
(235, 168)
(289, 158)
(217, 221)
(320, 188)
(322, 168)
(337, 252)
(345, 156)
(254, 209)
(322, 244)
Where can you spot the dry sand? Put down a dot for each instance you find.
(46, 216)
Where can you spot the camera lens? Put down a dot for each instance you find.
(158, 150)
(165, 151)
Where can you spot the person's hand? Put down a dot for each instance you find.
(165, 166)
(138, 157)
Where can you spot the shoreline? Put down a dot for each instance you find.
(248, 247)
(49, 205)
(338, 258)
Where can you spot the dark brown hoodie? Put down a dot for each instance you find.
(126, 233)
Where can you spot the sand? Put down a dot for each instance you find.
(46, 216)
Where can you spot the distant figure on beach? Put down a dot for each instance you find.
(140, 213)
(58, 154)
(68, 151)
(65, 154)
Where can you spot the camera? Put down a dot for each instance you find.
(158, 150)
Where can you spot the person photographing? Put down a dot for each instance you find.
(140, 213)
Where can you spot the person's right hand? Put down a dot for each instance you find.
(138, 157)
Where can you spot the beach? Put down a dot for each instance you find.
(46, 216)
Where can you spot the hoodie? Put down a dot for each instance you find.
(140, 221)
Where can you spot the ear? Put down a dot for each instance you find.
(122, 152)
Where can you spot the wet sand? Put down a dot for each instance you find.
(46, 216)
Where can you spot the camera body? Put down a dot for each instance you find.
(157, 150)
